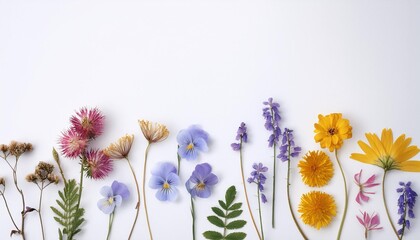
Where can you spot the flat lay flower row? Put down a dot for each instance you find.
(316, 209)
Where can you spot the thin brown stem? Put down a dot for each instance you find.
(138, 198)
(39, 210)
(246, 193)
(8, 211)
(144, 191)
(345, 197)
(288, 197)
(386, 206)
(23, 212)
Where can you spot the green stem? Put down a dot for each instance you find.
(193, 218)
(39, 210)
(111, 220)
(345, 197)
(81, 182)
(144, 191)
(274, 186)
(288, 196)
(259, 210)
(386, 206)
(246, 193)
(138, 198)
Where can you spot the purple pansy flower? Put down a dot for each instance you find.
(241, 136)
(191, 141)
(287, 142)
(165, 179)
(201, 181)
(113, 196)
(259, 178)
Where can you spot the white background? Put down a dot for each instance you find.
(211, 63)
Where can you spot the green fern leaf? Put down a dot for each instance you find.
(222, 220)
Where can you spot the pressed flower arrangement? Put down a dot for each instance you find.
(317, 208)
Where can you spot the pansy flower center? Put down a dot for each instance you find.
(111, 200)
(201, 186)
(190, 146)
(166, 185)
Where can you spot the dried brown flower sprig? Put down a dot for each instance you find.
(153, 132)
(15, 149)
(42, 177)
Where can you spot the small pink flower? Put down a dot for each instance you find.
(98, 165)
(361, 196)
(369, 222)
(72, 144)
(89, 123)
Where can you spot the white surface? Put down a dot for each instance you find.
(210, 63)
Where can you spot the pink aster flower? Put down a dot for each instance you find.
(369, 222)
(88, 122)
(72, 143)
(362, 195)
(98, 165)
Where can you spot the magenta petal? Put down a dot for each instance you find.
(364, 197)
(357, 177)
(358, 199)
(371, 179)
(375, 221)
(360, 220)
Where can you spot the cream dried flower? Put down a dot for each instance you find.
(153, 132)
(121, 148)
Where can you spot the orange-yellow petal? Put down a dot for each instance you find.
(410, 166)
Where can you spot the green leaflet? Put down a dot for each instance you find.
(224, 218)
(67, 214)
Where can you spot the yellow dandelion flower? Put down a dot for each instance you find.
(331, 130)
(387, 154)
(317, 209)
(121, 148)
(316, 169)
(153, 132)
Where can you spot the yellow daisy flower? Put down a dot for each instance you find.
(316, 169)
(387, 154)
(317, 209)
(331, 130)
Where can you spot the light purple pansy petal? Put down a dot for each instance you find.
(106, 191)
(200, 144)
(156, 182)
(211, 180)
(105, 206)
(162, 169)
(120, 189)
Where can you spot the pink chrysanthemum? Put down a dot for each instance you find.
(72, 144)
(98, 165)
(362, 195)
(88, 122)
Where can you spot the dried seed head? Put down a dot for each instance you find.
(16, 148)
(32, 178)
(2, 182)
(53, 178)
(4, 148)
(43, 170)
